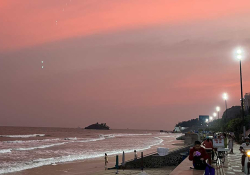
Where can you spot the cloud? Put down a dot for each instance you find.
(27, 23)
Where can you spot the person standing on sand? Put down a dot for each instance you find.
(106, 161)
(135, 155)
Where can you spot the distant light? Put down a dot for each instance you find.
(248, 153)
(217, 108)
(42, 61)
(225, 96)
(211, 118)
(239, 57)
(214, 114)
(42, 67)
(239, 51)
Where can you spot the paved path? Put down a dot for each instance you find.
(232, 163)
(232, 166)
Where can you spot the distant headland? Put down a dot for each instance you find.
(101, 126)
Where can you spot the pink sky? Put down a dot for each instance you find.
(145, 64)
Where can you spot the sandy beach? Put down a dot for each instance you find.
(96, 166)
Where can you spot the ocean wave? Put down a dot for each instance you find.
(91, 140)
(107, 136)
(30, 141)
(51, 145)
(48, 161)
(38, 147)
(126, 135)
(70, 138)
(62, 159)
(23, 136)
(5, 150)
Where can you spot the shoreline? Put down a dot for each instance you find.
(95, 165)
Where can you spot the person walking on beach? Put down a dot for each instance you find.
(106, 161)
(135, 155)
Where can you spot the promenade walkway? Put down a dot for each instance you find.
(232, 163)
(232, 166)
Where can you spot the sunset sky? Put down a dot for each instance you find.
(138, 64)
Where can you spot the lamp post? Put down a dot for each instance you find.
(239, 56)
(225, 97)
(218, 110)
(211, 118)
(214, 114)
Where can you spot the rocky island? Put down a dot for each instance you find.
(101, 126)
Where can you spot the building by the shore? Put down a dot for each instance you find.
(179, 128)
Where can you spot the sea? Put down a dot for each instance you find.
(23, 148)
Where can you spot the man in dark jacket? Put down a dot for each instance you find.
(197, 152)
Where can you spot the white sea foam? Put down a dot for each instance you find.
(23, 136)
(29, 141)
(5, 150)
(71, 138)
(39, 147)
(109, 136)
(129, 135)
(91, 140)
(14, 167)
(62, 159)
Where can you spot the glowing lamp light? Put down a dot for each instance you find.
(239, 51)
(214, 114)
(217, 108)
(225, 96)
(248, 153)
(211, 118)
(239, 57)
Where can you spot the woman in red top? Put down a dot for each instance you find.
(197, 147)
(209, 144)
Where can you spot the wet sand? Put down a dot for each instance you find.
(95, 166)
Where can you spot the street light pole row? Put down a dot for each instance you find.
(225, 97)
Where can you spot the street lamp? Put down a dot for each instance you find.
(239, 57)
(211, 118)
(225, 97)
(218, 110)
(214, 114)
